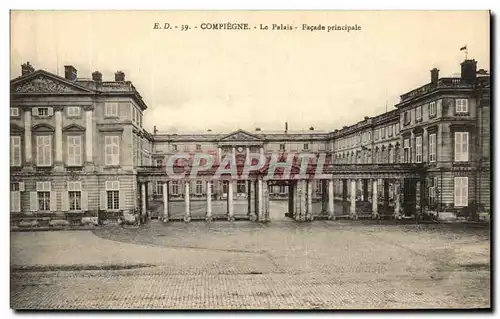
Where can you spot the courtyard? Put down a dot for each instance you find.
(247, 265)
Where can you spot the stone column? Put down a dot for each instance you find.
(260, 202)
(375, 199)
(89, 129)
(166, 215)
(219, 154)
(291, 193)
(58, 135)
(187, 208)
(143, 199)
(386, 195)
(208, 216)
(247, 155)
(233, 154)
(331, 200)
(262, 150)
(265, 201)
(230, 207)
(249, 198)
(303, 199)
(397, 204)
(353, 199)
(309, 211)
(345, 189)
(27, 137)
(365, 189)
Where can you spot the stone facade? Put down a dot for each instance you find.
(84, 139)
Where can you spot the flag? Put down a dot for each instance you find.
(463, 48)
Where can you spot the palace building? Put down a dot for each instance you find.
(79, 154)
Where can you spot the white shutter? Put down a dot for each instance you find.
(465, 191)
(84, 203)
(116, 150)
(64, 201)
(33, 201)
(53, 201)
(21, 186)
(78, 150)
(50, 111)
(103, 200)
(465, 146)
(39, 151)
(34, 111)
(458, 146)
(15, 201)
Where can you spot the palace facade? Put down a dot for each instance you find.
(79, 153)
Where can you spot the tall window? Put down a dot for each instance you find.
(306, 146)
(75, 195)
(43, 193)
(15, 196)
(432, 191)
(418, 149)
(112, 150)
(175, 188)
(396, 128)
(382, 133)
(15, 151)
(369, 136)
(406, 151)
(159, 187)
(198, 188)
(319, 186)
(282, 189)
(406, 118)
(432, 109)
(461, 106)
(389, 130)
(240, 187)
(418, 113)
(282, 147)
(111, 109)
(376, 135)
(113, 195)
(461, 191)
(432, 148)
(44, 150)
(74, 150)
(461, 146)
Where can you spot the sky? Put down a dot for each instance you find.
(226, 80)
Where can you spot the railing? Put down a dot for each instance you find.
(442, 83)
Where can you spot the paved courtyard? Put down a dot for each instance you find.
(248, 265)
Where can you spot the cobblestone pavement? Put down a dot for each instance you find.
(246, 265)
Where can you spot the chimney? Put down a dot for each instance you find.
(367, 118)
(311, 128)
(469, 70)
(257, 128)
(434, 76)
(70, 72)
(286, 127)
(119, 76)
(97, 76)
(154, 130)
(27, 68)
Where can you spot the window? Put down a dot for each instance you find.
(461, 191)
(186, 147)
(15, 151)
(432, 191)
(134, 114)
(406, 151)
(159, 187)
(174, 147)
(418, 149)
(15, 196)
(282, 147)
(391, 155)
(306, 146)
(461, 146)
(159, 162)
(74, 150)
(369, 136)
(396, 129)
(43, 193)
(198, 188)
(14, 111)
(432, 148)
(175, 188)
(240, 187)
(461, 106)
(406, 118)
(73, 111)
(283, 189)
(319, 186)
(376, 133)
(112, 150)
(113, 195)
(382, 133)
(43, 111)
(198, 147)
(44, 150)
(75, 195)
(418, 113)
(432, 109)
(111, 109)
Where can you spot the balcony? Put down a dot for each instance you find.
(442, 83)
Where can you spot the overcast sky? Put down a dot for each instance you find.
(225, 80)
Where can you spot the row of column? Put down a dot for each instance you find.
(233, 152)
(58, 110)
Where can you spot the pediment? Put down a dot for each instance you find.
(43, 128)
(44, 82)
(74, 128)
(14, 128)
(241, 135)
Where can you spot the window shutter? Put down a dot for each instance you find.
(84, 204)
(64, 201)
(21, 186)
(121, 199)
(34, 111)
(53, 201)
(103, 201)
(50, 111)
(465, 146)
(457, 191)
(33, 201)
(465, 191)
(458, 148)
(15, 201)
(39, 150)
